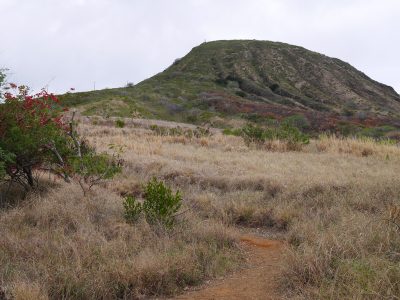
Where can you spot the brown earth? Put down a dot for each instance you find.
(257, 281)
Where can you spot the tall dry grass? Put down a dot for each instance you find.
(342, 245)
(358, 147)
(330, 201)
(64, 246)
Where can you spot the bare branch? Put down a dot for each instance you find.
(73, 136)
(52, 148)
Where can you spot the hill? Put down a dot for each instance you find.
(256, 80)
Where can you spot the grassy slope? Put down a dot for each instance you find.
(330, 202)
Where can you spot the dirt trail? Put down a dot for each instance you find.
(258, 281)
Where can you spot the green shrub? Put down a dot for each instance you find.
(133, 209)
(229, 131)
(376, 132)
(253, 134)
(92, 168)
(161, 204)
(347, 129)
(284, 132)
(119, 124)
(179, 131)
(192, 119)
(292, 135)
(298, 121)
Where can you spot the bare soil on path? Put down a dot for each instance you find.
(257, 281)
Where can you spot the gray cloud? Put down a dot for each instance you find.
(74, 43)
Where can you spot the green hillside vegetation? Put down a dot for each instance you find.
(257, 79)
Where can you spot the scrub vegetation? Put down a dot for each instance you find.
(261, 143)
(335, 203)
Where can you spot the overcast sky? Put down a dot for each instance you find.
(74, 43)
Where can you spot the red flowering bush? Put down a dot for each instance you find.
(30, 127)
(34, 135)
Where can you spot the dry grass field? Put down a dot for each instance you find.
(335, 204)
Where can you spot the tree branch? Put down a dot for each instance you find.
(73, 136)
(52, 148)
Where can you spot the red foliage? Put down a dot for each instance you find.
(320, 121)
(43, 106)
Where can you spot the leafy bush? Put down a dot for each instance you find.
(92, 168)
(192, 119)
(253, 134)
(133, 209)
(34, 135)
(298, 121)
(179, 131)
(348, 129)
(292, 135)
(376, 132)
(30, 128)
(160, 204)
(229, 131)
(120, 123)
(284, 132)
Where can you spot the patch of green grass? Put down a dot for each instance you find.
(229, 131)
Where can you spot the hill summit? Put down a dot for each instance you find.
(249, 77)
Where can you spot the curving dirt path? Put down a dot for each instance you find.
(258, 281)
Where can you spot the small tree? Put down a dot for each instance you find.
(90, 168)
(86, 166)
(35, 135)
(29, 127)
